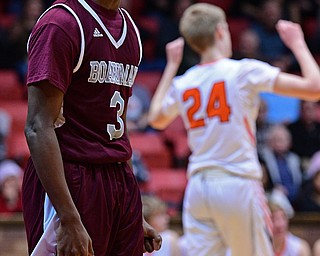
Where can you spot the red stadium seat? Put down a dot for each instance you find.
(149, 80)
(175, 136)
(152, 149)
(11, 89)
(18, 148)
(18, 112)
(169, 185)
(7, 20)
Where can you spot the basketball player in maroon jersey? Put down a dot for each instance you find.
(80, 197)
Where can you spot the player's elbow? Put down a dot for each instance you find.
(314, 90)
(156, 122)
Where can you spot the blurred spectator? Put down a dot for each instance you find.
(5, 122)
(10, 187)
(266, 179)
(138, 108)
(262, 125)
(249, 43)
(283, 165)
(307, 9)
(310, 19)
(246, 8)
(160, 9)
(169, 25)
(139, 168)
(168, 14)
(305, 132)
(271, 45)
(284, 242)
(250, 9)
(309, 196)
(15, 40)
(155, 213)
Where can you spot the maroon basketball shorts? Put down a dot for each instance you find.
(107, 198)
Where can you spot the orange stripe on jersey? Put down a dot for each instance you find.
(251, 135)
(266, 211)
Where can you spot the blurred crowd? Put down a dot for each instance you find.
(288, 130)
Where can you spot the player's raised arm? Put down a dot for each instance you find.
(174, 52)
(306, 86)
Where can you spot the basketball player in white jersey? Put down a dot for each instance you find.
(218, 100)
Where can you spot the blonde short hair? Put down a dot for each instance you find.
(198, 24)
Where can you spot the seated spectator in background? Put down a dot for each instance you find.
(155, 213)
(283, 165)
(168, 14)
(249, 43)
(271, 45)
(5, 122)
(284, 242)
(138, 108)
(139, 168)
(266, 180)
(250, 9)
(309, 196)
(10, 187)
(18, 35)
(305, 132)
(262, 126)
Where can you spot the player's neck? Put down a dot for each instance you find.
(108, 4)
(211, 55)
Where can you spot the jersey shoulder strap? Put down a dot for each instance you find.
(136, 30)
(82, 47)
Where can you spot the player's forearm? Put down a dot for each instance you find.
(47, 159)
(164, 85)
(309, 67)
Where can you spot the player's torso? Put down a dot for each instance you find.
(219, 113)
(95, 102)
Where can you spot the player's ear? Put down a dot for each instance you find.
(220, 30)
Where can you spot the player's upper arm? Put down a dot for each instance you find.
(297, 86)
(54, 49)
(164, 109)
(44, 104)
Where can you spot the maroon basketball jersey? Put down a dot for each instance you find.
(93, 57)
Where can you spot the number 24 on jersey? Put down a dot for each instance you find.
(217, 105)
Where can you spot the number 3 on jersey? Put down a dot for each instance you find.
(217, 105)
(111, 128)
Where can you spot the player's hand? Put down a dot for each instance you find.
(152, 239)
(174, 51)
(291, 34)
(73, 240)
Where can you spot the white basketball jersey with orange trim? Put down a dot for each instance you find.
(219, 103)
